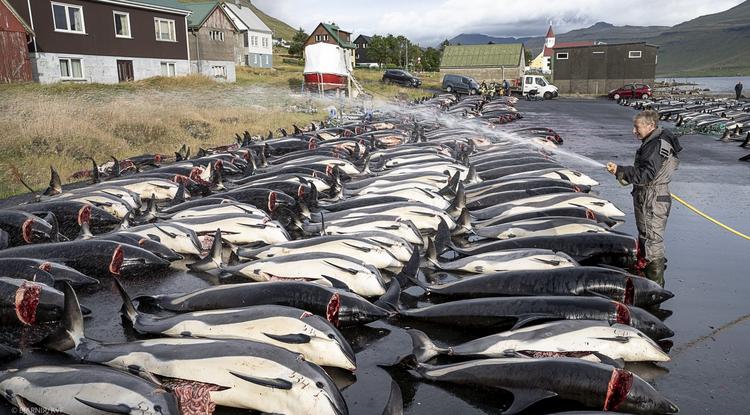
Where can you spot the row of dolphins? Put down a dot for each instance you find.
(311, 234)
(729, 118)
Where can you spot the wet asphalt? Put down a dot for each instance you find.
(708, 271)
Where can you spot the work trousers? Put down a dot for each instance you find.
(652, 205)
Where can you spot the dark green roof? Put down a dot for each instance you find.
(482, 56)
(199, 10)
(333, 30)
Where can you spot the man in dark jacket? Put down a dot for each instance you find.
(655, 162)
(738, 89)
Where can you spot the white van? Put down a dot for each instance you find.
(542, 86)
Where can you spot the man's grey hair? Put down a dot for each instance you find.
(648, 117)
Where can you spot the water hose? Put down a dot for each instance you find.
(710, 219)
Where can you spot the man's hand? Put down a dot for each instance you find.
(611, 167)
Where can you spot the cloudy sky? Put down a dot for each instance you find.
(429, 22)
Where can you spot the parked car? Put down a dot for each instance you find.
(631, 91)
(400, 76)
(460, 84)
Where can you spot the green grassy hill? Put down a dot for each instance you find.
(279, 28)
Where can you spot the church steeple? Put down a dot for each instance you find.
(549, 40)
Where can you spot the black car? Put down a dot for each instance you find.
(401, 77)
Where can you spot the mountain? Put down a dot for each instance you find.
(601, 31)
(715, 44)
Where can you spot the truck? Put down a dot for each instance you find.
(529, 82)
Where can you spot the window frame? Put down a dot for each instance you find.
(223, 71)
(558, 56)
(216, 35)
(114, 18)
(632, 56)
(169, 64)
(70, 69)
(157, 29)
(68, 6)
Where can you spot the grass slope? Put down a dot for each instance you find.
(279, 28)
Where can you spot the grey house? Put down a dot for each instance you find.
(255, 43)
(600, 68)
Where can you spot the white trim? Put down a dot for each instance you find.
(598, 52)
(635, 54)
(139, 5)
(172, 30)
(187, 46)
(114, 18)
(67, 18)
(70, 69)
(31, 20)
(559, 56)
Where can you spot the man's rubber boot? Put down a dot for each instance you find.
(655, 271)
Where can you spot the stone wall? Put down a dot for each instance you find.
(206, 67)
(101, 69)
(485, 74)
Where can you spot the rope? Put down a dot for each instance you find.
(710, 219)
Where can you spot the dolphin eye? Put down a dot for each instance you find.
(331, 336)
(319, 384)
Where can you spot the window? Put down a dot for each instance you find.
(265, 42)
(562, 56)
(168, 69)
(540, 82)
(634, 54)
(253, 40)
(529, 80)
(68, 18)
(71, 68)
(255, 59)
(321, 38)
(246, 38)
(216, 35)
(219, 71)
(267, 60)
(165, 30)
(122, 24)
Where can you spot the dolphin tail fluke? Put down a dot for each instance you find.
(151, 211)
(95, 177)
(432, 256)
(412, 266)
(463, 223)
(55, 184)
(179, 197)
(390, 300)
(128, 309)
(70, 333)
(459, 201)
(442, 238)
(450, 189)
(213, 260)
(423, 348)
